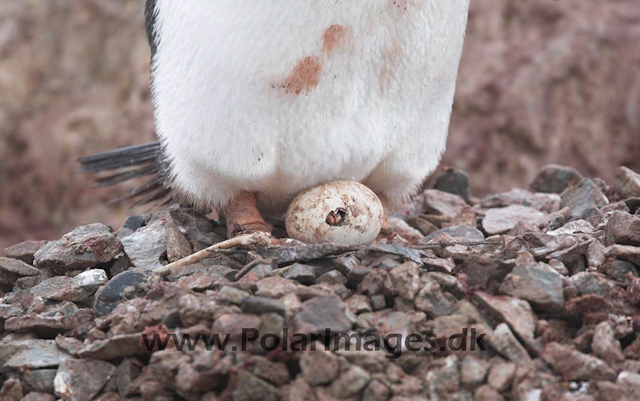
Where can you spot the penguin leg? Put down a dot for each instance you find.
(393, 227)
(243, 217)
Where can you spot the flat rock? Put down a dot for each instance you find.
(439, 202)
(24, 251)
(147, 247)
(582, 197)
(321, 313)
(574, 365)
(406, 280)
(304, 274)
(548, 203)
(555, 179)
(515, 312)
(501, 220)
(627, 182)
(319, 367)
(624, 252)
(605, 345)
(539, 284)
(74, 289)
(13, 269)
(464, 233)
(259, 305)
(507, 345)
(275, 287)
(114, 347)
(350, 383)
(85, 247)
(250, 388)
(433, 301)
(82, 379)
(30, 354)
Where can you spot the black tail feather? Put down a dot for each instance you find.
(129, 163)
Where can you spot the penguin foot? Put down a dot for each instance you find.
(243, 217)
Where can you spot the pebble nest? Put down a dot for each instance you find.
(549, 275)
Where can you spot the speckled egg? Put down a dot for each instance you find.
(340, 212)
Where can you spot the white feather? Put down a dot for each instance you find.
(379, 113)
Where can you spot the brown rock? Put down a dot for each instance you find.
(24, 251)
(574, 365)
(82, 379)
(627, 182)
(320, 366)
(623, 229)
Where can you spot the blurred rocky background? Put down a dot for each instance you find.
(541, 82)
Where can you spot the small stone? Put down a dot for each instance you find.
(33, 396)
(439, 202)
(627, 182)
(24, 251)
(320, 366)
(620, 269)
(350, 383)
(555, 179)
(406, 280)
(623, 229)
(445, 379)
(605, 345)
(126, 285)
(250, 388)
(506, 344)
(231, 295)
(538, 284)
(433, 301)
(515, 312)
(501, 220)
(11, 390)
(333, 277)
(82, 379)
(147, 247)
(12, 269)
(177, 245)
(574, 365)
(486, 393)
(473, 371)
(259, 305)
(125, 374)
(85, 247)
(30, 354)
(624, 252)
(501, 375)
(378, 302)
(376, 391)
(114, 347)
(40, 380)
(304, 274)
(275, 287)
(592, 283)
(454, 181)
(321, 313)
(358, 304)
(74, 289)
(582, 197)
(548, 203)
(460, 233)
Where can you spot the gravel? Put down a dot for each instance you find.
(549, 283)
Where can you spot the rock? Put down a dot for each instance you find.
(445, 379)
(378, 302)
(473, 371)
(620, 269)
(547, 203)
(501, 375)
(406, 280)
(11, 390)
(439, 202)
(498, 221)
(85, 247)
(30, 354)
(574, 365)
(513, 311)
(12, 269)
(319, 367)
(624, 252)
(486, 393)
(74, 289)
(350, 383)
(126, 285)
(623, 229)
(177, 245)
(455, 182)
(461, 233)
(231, 295)
(40, 380)
(147, 247)
(376, 391)
(24, 251)
(33, 396)
(582, 197)
(259, 305)
(627, 182)
(304, 274)
(592, 283)
(433, 301)
(82, 379)
(114, 347)
(539, 284)
(333, 277)
(275, 287)
(55, 318)
(605, 345)
(555, 179)
(321, 313)
(250, 388)
(505, 343)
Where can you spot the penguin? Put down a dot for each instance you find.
(255, 101)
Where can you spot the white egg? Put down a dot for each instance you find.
(339, 212)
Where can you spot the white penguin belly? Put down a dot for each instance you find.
(276, 97)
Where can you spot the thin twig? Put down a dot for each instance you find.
(258, 239)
